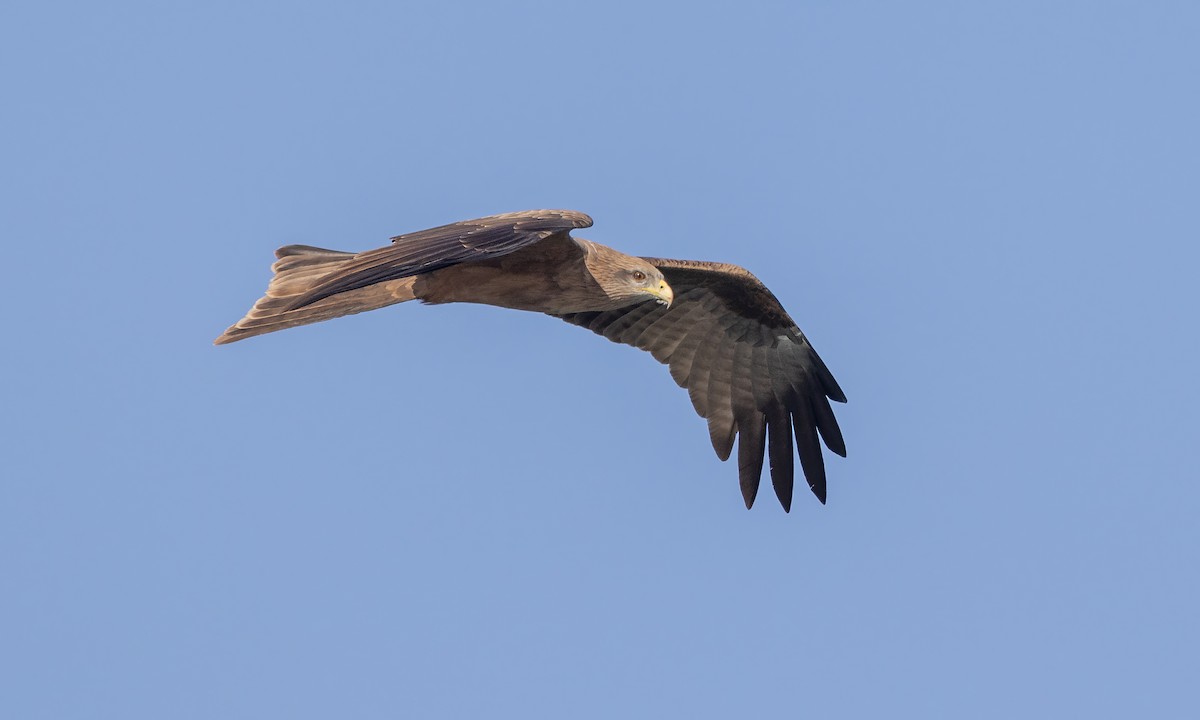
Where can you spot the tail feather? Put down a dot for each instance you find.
(298, 269)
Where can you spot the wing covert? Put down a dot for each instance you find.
(436, 248)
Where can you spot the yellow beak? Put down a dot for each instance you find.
(663, 293)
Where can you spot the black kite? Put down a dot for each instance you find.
(747, 367)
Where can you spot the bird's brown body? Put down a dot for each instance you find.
(747, 367)
(556, 276)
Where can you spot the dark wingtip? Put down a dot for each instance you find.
(781, 480)
(779, 450)
(818, 489)
(749, 484)
(752, 438)
(832, 435)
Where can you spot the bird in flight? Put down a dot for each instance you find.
(724, 336)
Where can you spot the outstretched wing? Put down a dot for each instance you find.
(747, 367)
(439, 247)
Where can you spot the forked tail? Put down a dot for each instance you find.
(299, 269)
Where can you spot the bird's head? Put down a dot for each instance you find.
(625, 279)
(642, 279)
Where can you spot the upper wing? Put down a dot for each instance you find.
(747, 367)
(439, 247)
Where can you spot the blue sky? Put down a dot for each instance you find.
(982, 214)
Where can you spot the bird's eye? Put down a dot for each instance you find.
(638, 275)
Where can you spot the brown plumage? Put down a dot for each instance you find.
(726, 339)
